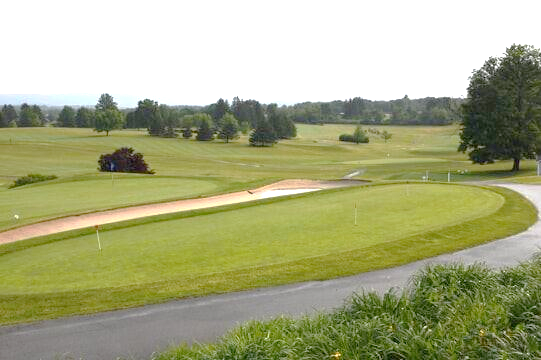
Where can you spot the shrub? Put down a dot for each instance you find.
(357, 137)
(124, 160)
(32, 178)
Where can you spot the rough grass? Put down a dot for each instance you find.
(239, 271)
(448, 312)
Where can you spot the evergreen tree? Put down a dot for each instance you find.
(262, 135)
(220, 109)
(3, 122)
(204, 131)
(66, 118)
(229, 128)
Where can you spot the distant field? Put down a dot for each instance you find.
(311, 236)
(188, 168)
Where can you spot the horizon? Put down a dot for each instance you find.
(282, 52)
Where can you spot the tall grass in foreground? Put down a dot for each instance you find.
(447, 312)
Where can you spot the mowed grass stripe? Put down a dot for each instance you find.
(279, 232)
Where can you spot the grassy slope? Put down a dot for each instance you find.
(72, 155)
(514, 215)
(449, 312)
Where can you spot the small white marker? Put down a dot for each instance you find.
(16, 217)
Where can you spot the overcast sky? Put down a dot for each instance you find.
(194, 52)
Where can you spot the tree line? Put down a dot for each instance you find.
(405, 111)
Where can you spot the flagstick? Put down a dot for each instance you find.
(355, 214)
(98, 236)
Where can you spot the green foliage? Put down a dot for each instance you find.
(357, 137)
(502, 117)
(29, 116)
(283, 126)
(263, 135)
(106, 102)
(84, 118)
(229, 128)
(386, 135)
(249, 111)
(10, 114)
(107, 115)
(108, 120)
(66, 118)
(205, 130)
(448, 312)
(3, 121)
(32, 178)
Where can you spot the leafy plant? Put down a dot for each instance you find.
(124, 160)
(32, 178)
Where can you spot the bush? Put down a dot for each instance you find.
(32, 178)
(357, 137)
(124, 160)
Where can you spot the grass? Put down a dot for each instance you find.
(205, 168)
(270, 242)
(447, 312)
(60, 198)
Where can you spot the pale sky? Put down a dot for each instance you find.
(194, 52)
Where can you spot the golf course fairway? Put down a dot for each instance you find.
(274, 241)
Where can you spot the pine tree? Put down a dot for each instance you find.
(205, 132)
(263, 134)
(229, 128)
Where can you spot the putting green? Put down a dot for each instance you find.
(277, 232)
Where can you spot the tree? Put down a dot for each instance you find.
(386, 135)
(10, 114)
(41, 117)
(186, 125)
(204, 131)
(502, 114)
(229, 128)
(106, 102)
(263, 134)
(27, 117)
(124, 160)
(219, 110)
(84, 118)
(3, 122)
(148, 115)
(108, 120)
(283, 126)
(66, 118)
(359, 136)
(107, 115)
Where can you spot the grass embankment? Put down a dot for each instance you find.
(189, 168)
(270, 242)
(448, 312)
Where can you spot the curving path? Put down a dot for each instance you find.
(137, 333)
